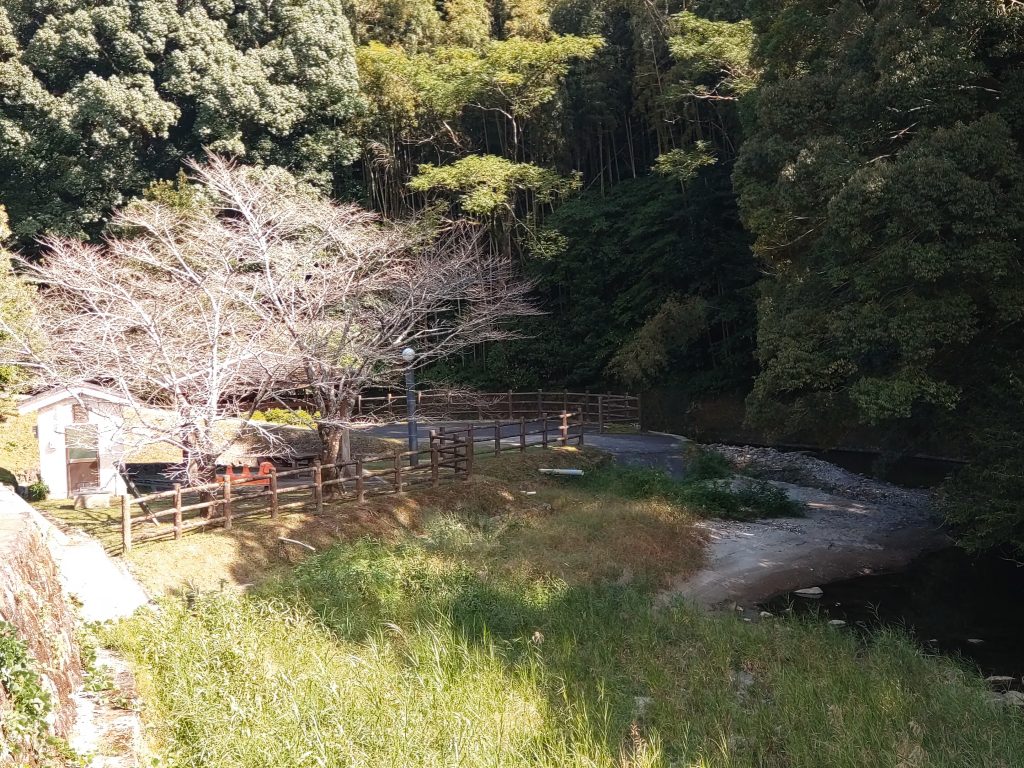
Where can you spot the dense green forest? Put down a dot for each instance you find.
(816, 204)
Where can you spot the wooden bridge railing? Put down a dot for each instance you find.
(449, 456)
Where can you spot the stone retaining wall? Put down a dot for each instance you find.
(34, 602)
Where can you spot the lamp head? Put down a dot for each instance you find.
(408, 354)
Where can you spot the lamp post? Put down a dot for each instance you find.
(409, 354)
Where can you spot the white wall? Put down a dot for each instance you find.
(53, 469)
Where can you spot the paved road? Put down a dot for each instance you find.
(642, 450)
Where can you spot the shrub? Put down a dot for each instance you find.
(296, 418)
(38, 491)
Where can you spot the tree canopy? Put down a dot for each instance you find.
(99, 98)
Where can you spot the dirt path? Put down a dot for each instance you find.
(854, 525)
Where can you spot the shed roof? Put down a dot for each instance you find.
(60, 394)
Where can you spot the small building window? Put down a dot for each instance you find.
(82, 443)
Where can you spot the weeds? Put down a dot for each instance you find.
(706, 489)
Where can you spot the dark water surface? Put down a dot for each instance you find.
(944, 599)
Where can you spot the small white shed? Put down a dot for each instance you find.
(76, 429)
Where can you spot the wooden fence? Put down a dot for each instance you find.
(449, 456)
(593, 409)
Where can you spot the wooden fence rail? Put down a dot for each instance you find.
(449, 456)
(593, 409)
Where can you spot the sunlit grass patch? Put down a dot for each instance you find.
(416, 653)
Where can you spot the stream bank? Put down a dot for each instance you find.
(854, 525)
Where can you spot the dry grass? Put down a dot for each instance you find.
(535, 525)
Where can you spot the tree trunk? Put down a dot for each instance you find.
(337, 449)
(201, 469)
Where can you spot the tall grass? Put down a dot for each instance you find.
(415, 654)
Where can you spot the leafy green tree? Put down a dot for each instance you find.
(642, 285)
(15, 305)
(883, 178)
(100, 98)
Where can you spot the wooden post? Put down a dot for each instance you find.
(177, 510)
(435, 460)
(126, 524)
(497, 437)
(544, 431)
(564, 429)
(227, 502)
(579, 440)
(318, 487)
(360, 487)
(470, 450)
(522, 434)
(600, 414)
(359, 405)
(398, 474)
(273, 493)
(639, 414)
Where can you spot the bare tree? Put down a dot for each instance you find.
(154, 315)
(349, 292)
(262, 291)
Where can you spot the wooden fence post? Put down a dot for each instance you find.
(579, 440)
(564, 429)
(126, 524)
(600, 414)
(544, 431)
(360, 487)
(639, 414)
(273, 493)
(359, 405)
(470, 450)
(497, 437)
(177, 510)
(522, 434)
(435, 460)
(318, 486)
(227, 502)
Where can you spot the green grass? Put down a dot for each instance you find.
(708, 489)
(417, 653)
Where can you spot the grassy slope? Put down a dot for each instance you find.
(505, 629)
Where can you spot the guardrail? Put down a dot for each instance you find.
(449, 456)
(594, 409)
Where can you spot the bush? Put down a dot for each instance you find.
(294, 418)
(38, 491)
